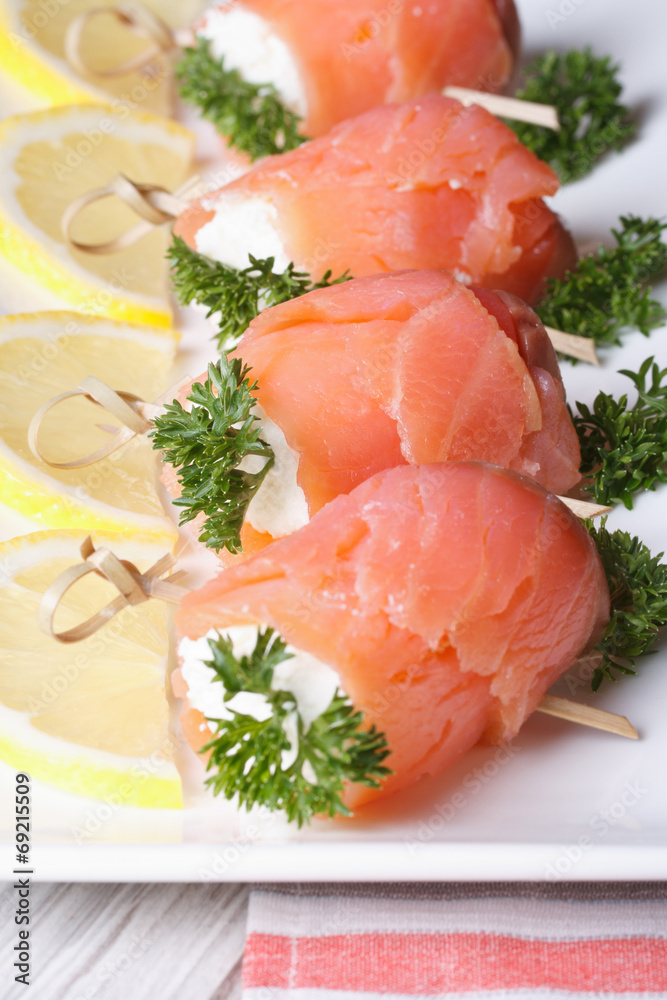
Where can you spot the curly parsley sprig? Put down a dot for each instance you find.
(638, 588)
(208, 444)
(606, 292)
(237, 295)
(624, 448)
(250, 115)
(586, 91)
(246, 755)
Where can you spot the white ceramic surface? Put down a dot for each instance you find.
(566, 802)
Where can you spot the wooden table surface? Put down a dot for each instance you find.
(128, 942)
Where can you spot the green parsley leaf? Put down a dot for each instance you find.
(250, 115)
(605, 293)
(638, 588)
(585, 90)
(206, 447)
(238, 296)
(624, 448)
(246, 755)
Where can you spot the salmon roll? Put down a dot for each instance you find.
(334, 59)
(427, 184)
(443, 600)
(411, 367)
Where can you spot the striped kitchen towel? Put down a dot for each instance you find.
(468, 941)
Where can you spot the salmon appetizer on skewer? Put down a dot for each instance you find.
(411, 367)
(426, 370)
(427, 184)
(329, 60)
(441, 600)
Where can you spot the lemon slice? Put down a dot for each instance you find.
(32, 52)
(50, 158)
(44, 354)
(90, 718)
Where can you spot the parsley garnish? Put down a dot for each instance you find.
(605, 293)
(238, 296)
(207, 445)
(638, 588)
(586, 92)
(246, 755)
(624, 448)
(250, 115)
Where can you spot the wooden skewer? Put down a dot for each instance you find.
(134, 588)
(135, 414)
(584, 509)
(507, 107)
(139, 20)
(584, 715)
(157, 206)
(582, 348)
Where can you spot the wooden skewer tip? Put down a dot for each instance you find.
(545, 115)
(584, 715)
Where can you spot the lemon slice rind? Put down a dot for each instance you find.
(48, 260)
(40, 74)
(149, 782)
(31, 490)
(46, 73)
(145, 782)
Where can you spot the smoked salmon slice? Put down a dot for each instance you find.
(427, 184)
(349, 56)
(448, 598)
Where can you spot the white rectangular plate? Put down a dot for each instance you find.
(563, 802)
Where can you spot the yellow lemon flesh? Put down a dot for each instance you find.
(50, 158)
(45, 354)
(91, 718)
(32, 52)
